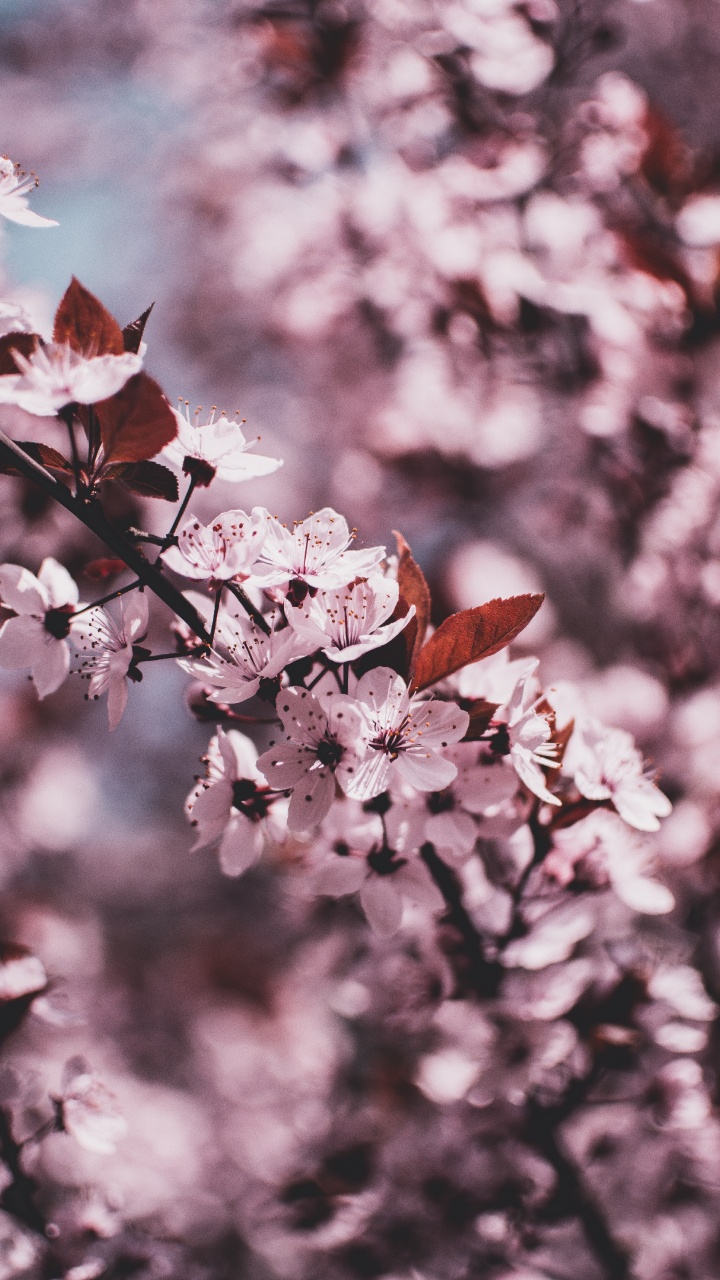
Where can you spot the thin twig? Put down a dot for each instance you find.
(248, 606)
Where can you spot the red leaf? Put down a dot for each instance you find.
(149, 479)
(133, 333)
(82, 321)
(481, 713)
(473, 634)
(414, 590)
(136, 423)
(42, 453)
(25, 343)
(105, 567)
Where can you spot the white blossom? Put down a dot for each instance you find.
(599, 852)
(15, 187)
(606, 765)
(220, 445)
(406, 735)
(326, 738)
(314, 553)
(110, 646)
(352, 620)
(54, 375)
(243, 656)
(225, 549)
(37, 636)
(529, 736)
(232, 803)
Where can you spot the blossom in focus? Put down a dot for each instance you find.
(110, 646)
(314, 554)
(326, 739)
(55, 375)
(215, 448)
(89, 1114)
(351, 621)
(232, 803)
(37, 636)
(606, 765)
(15, 187)
(352, 856)
(406, 735)
(225, 549)
(243, 656)
(529, 734)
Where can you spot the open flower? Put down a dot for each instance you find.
(351, 621)
(326, 739)
(232, 803)
(54, 375)
(225, 549)
(15, 187)
(243, 657)
(606, 765)
(313, 555)
(111, 651)
(529, 738)
(37, 636)
(406, 736)
(215, 448)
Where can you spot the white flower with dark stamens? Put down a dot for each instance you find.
(243, 657)
(406, 736)
(15, 186)
(351, 621)
(529, 739)
(215, 448)
(225, 549)
(313, 555)
(606, 765)
(54, 375)
(352, 856)
(37, 636)
(232, 803)
(111, 650)
(325, 741)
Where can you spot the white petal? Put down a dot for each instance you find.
(213, 804)
(425, 769)
(135, 616)
(285, 765)
(22, 641)
(51, 667)
(241, 845)
(60, 587)
(415, 882)
(311, 800)
(117, 700)
(453, 832)
(21, 591)
(382, 904)
(647, 896)
(340, 875)
(369, 778)
(24, 217)
(103, 376)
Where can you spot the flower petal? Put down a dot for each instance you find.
(382, 905)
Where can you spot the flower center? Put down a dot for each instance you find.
(385, 861)
(57, 621)
(440, 801)
(329, 752)
(251, 799)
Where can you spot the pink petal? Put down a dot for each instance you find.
(241, 845)
(21, 591)
(311, 800)
(382, 905)
(51, 667)
(22, 642)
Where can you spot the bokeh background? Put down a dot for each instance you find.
(457, 262)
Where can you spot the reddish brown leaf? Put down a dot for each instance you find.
(105, 567)
(481, 713)
(149, 479)
(667, 162)
(473, 634)
(82, 321)
(25, 343)
(133, 333)
(414, 590)
(136, 423)
(42, 453)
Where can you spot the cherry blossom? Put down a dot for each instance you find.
(55, 375)
(606, 765)
(232, 803)
(406, 735)
(243, 657)
(353, 856)
(215, 448)
(529, 739)
(598, 852)
(88, 1113)
(225, 549)
(314, 555)
(326, 740)
(346, 623)
(37, 636)
(15, 187)
(110, 645)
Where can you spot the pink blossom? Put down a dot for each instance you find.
(315, 553)
(225, 549)
(37, 636)
(110, 646)
(15, 187)
(529, 734)
(232, 803)
(55, 375)
(606, 765)
(220, 445)
(243, 656)
(351, 621)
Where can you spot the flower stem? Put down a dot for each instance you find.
(484, 975)
(182, 508)
(248, 606)
(112, 595)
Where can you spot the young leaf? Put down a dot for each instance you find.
(136, 423)
(413, 590)
(481, 713)
(82, 321)
(42, 453)
(133, 333)
(473, 634)
(105, 567)
(25, 343)
(149, 479)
